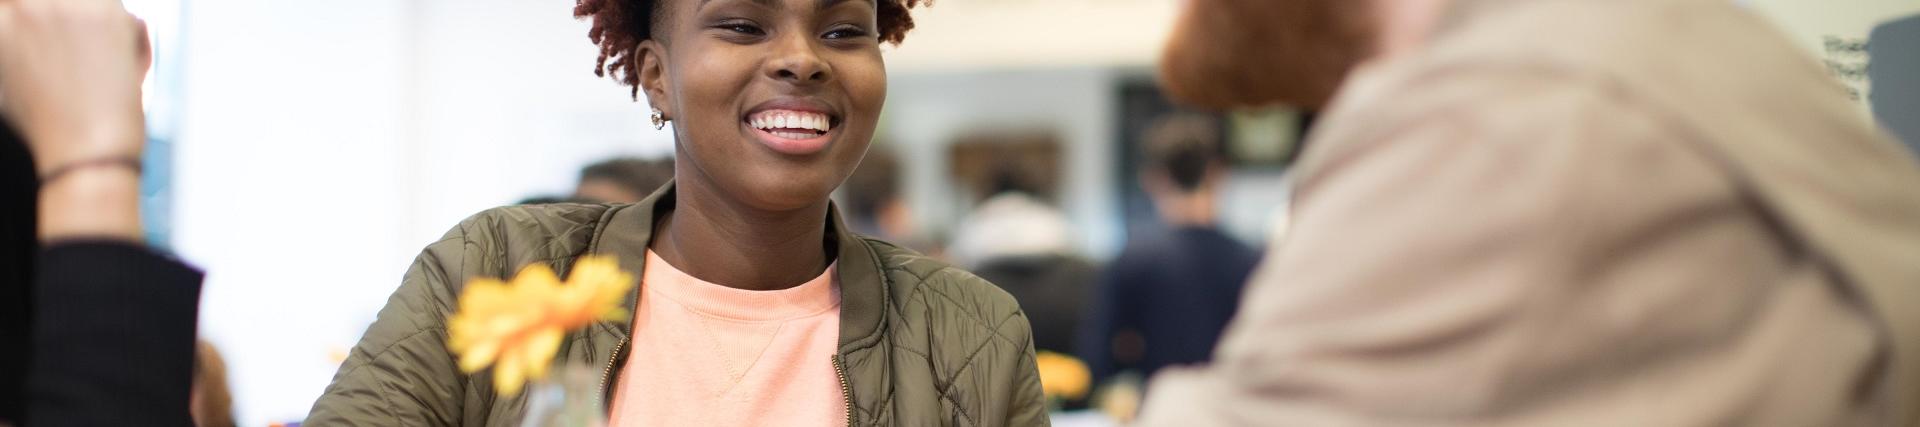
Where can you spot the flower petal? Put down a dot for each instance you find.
(517, 327)
(509, 374)
(477, 357)
(539, 350)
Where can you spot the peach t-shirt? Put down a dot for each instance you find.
(709, 355)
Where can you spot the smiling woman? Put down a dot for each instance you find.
(757, 306)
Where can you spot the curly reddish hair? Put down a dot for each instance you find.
(620, 25)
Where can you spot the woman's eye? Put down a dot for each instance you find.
(741, 27)
(844, 33)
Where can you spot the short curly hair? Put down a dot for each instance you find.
(620, 25)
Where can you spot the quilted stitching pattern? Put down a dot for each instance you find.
(982, 343)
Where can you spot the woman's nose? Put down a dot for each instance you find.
(798, 62)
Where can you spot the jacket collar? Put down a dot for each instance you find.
(626, 232)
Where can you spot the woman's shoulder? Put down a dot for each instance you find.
(494, 240)
(920, 282)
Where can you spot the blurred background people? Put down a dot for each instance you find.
(541, 200)
(874, 206)
(618, 180)
(1166, 298)
(1024, 245)
(1604, 212)
(99, 328)
(622, 180)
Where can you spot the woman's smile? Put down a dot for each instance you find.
(792, 126)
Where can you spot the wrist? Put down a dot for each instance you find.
(102, 139)
(91, 202)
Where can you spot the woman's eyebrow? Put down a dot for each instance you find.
(826, 4)
(775, 4)
(771, 4)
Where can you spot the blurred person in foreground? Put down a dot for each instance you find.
(98, 329)
(756, 304)
(622, 180)
(1166, 298)
(1557, 212)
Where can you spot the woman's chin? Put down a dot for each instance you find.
(784, 192)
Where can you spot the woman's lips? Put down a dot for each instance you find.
(791, 132)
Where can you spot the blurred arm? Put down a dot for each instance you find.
(113, 337)
(97, 202)
(70, 71)
(112, 323)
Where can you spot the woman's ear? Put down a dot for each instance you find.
(652, 69)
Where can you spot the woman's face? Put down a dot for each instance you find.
(773, 102)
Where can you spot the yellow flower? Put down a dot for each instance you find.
(517, 327)
(1062, 376)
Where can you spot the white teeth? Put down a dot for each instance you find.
(784, 119)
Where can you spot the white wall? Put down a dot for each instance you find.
(505, 105)
(287, 185)
(324, 143)
(975, 34)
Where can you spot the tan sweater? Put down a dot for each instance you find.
(1583, 213)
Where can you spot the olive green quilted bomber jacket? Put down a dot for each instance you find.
(921, 343)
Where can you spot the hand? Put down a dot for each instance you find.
(70, 74)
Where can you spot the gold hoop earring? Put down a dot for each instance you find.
(659, 120)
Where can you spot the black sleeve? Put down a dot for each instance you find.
(19, 243)
(113, 339)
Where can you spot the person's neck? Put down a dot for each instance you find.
(1188, 210)
(1405, 26)
(723, 241)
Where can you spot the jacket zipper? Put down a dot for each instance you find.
(846, 388)
(607, 374)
